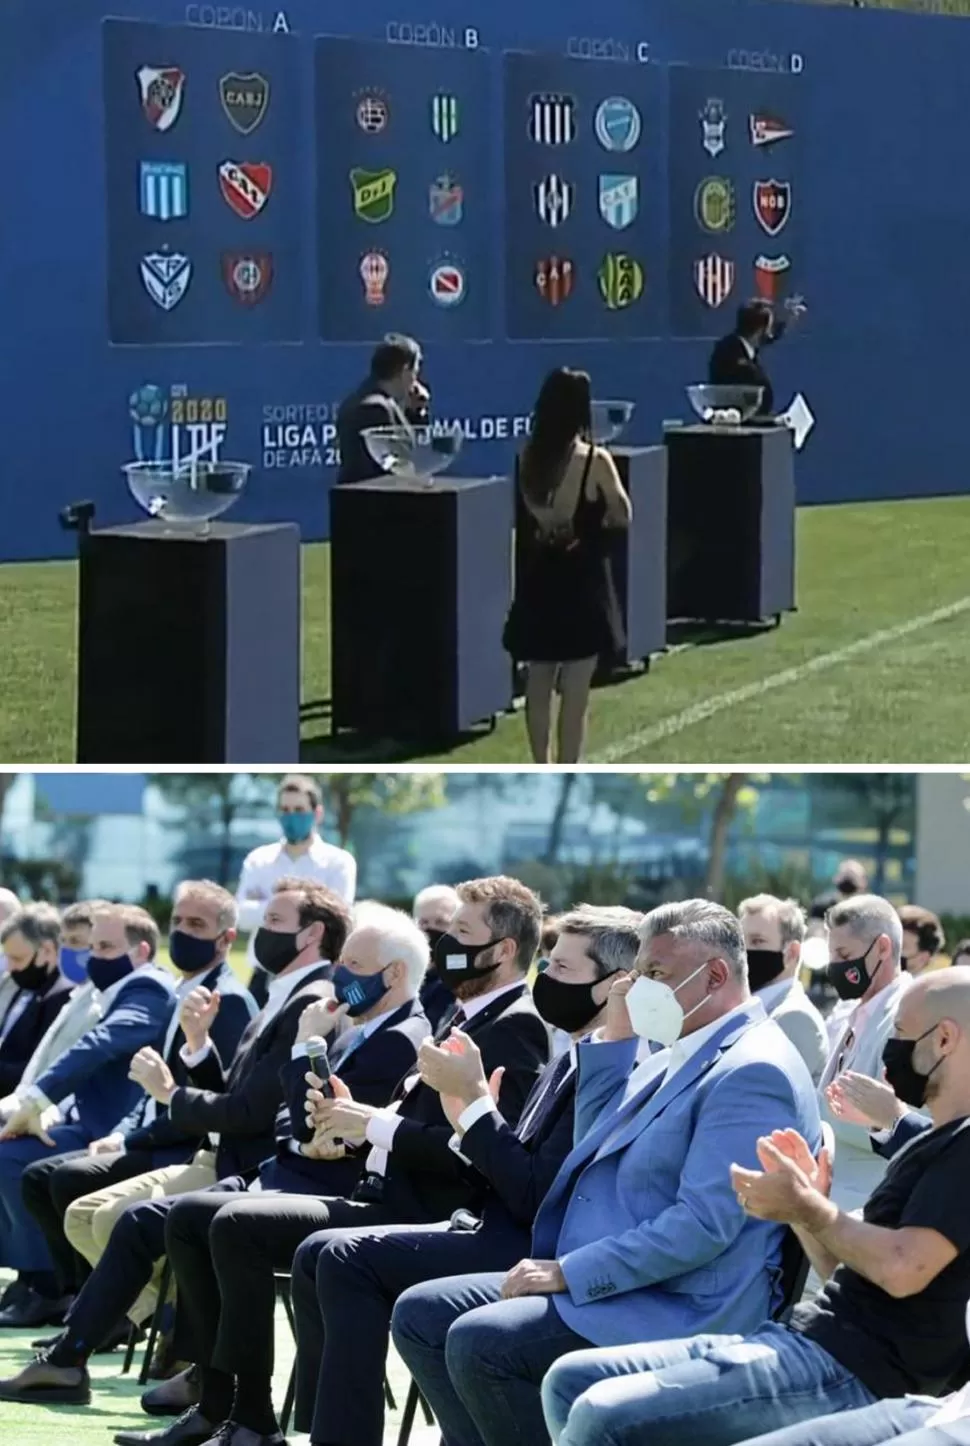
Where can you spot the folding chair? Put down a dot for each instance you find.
(153, 1331)
(414, 1399)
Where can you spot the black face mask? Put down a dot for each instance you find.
(764, 966)
(189, 954)
(906, 1081)
(274, 951)
(848, 977)
(432, 936)
(569, 1007)
(454, 961)
(33, 978)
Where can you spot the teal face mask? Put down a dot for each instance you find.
(297, 827)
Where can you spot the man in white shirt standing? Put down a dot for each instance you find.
(865, 948)
(774, 930)
(300, 853)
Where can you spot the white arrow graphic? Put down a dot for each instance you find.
(800, 419)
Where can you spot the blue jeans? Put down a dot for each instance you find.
(22, 1243)
(895, 1420)
(706, 1391)
(480, 1360)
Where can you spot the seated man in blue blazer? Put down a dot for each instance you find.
(31, 941)
(65, 1193)
(641, 1235)
(136, 1000)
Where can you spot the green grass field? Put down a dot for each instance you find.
(869, 670)
(114, 1405)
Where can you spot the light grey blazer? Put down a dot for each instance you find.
(794, 1013)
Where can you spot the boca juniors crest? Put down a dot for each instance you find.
(161, 93)
(618, 200)
(245, 186)
(248, 276)
(554, 200)
(165, 276)
(554, 278)
(244, 100)
(772, 205)
(714, 279)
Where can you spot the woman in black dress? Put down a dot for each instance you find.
(564, 614)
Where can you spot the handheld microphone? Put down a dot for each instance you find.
(316, 1048)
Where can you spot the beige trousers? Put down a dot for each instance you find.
(90, 1220)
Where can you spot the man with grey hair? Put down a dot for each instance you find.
(865, 951)
(773, 933)
(30, 939)
(641, 1235)
(433, 910)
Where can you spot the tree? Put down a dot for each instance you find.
(213, 802)
(394, 793)
(884, 801)
(7, 781)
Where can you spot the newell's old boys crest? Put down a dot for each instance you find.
(166, 276)
(444, 116)
(620, 280)
(714, 279)
(554, 200)
(552, 119)
(373, 193)
(617, 124)
(248, 276)
(554, 278)
(244, 99)
(619, 200)
(446, 201)
(161, 92)
(714, 204)
(713, 119)
(772, 205)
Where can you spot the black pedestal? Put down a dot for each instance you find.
(640, 554)
(731, 523)
(189, 647)
(420, 581)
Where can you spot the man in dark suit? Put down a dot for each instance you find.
(410, 1173)
(65, 1192)
(345, 1282)
(390, 396)
(31, 941)
(304, 927)
(736, 358)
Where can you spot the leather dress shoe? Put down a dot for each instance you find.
(41, 1384)
(34, 1310)
(231, 1434)
(14, 1293)
(191, 1429)
(174, 1395)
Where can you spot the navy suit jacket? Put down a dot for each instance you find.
(236, 1009)
(95, 1069)
(370, 1071)
(28, 1031)
(906, 1128)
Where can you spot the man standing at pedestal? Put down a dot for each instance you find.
(736, 359)
(390, 396)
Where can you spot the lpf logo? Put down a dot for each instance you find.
(175, 426)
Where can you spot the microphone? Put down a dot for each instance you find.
(316, 1048)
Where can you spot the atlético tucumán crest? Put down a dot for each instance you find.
(248, 275)
(554, 278)
(714, 279)
(161, 91)
(772, 205)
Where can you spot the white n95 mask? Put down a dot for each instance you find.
(655, 1011)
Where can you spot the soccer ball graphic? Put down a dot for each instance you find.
(147, 405)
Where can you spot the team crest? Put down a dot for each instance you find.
(714, 204)
(552, 119)
(713, 119)
(446, 201)
(554, 278)
(447, 283)
(714, 279)
(372, 112)
(248, 275)
(620, 280)
(373, 193)
(374, 271)
(444, 116)
(245, 186)
(766, 129)
(244, 99)
(161, 92)
(163, 189)
(553, 200)
(166, 276)
(617, 124)
(619, 200)
(772, 205)
(769, 274)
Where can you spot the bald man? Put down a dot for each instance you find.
(889, 1321)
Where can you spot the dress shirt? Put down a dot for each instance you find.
(689, 1044)
(748, 348)
(262, 870)
(486, 1105)
(18, 1004)
(351, 1038)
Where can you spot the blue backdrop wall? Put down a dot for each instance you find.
(213, 210)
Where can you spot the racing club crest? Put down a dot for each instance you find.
(446, 201)
(165, 276)
(244, 99)
(713, 119)
(248, 275)
(554, 278)
(161, 92)
(245, 186)
(772, 205)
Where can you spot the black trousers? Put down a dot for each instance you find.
(345, 1284)
(225, 1251)
(50, 1186)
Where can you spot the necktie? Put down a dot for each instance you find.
(456, 1020)
(535, 1112)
